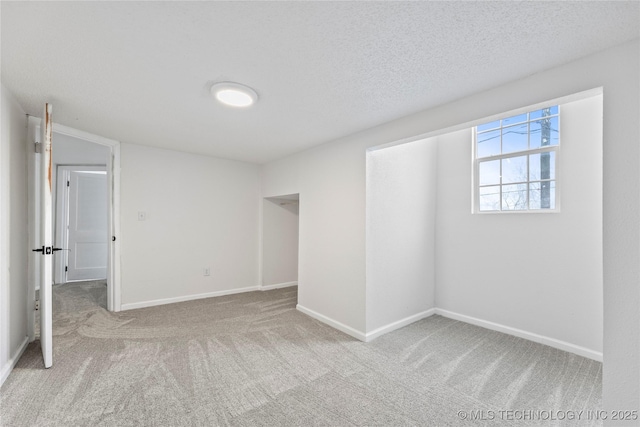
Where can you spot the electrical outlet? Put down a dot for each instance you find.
(207, 271)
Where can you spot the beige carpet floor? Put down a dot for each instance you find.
(252, 359)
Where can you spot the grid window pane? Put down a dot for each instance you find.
(552, 196)
(515, 138)
(514, 197)
(487, 126)
(544, 132)
(535, 114)
(542, 195)
(551, 111)
(489, 172)
(515, 119)
(534, 195)
(542, 166)
(514, 169)
(555, 131)
(490, 198)
(516, 161)
(489, 143)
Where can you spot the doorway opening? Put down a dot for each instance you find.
(81, 228)
(280, 235)
(89, 161)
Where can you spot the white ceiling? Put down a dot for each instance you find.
(140, 72)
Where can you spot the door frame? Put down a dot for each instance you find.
(61, 215)
(113, 179)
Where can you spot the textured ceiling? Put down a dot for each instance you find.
(139, 72)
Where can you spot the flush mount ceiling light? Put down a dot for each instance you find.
(234, 94)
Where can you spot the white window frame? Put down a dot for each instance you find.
(476, 165)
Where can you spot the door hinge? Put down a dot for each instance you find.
(66, 268)
(37, 147)
(67, 183)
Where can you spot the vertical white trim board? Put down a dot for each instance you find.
(540, 339)
(260, 236)
(8, 367)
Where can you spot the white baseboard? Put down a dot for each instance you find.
(399, 324)
(541, 339)
(366, 337)
(163, 301)
(8, 367)
(333, 323)
(278, 286)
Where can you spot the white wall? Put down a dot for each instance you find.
(538, 272)
(330, 180)
(68, 150)
(401, 210)
(279, 242)
(280, 177)
(200, 212)
(13, 233)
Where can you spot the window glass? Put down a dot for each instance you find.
(489, 143)
(514, 169)
(537, 200)
(542, 166)
(490, 172)
(516, 162)
(514, 197)
(490, 198)
(490, 125)
(544, 132)
(515, 119)
(515, 138)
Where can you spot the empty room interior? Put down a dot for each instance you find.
(320, 213)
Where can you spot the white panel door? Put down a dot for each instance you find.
(46, 238)
(88, 226)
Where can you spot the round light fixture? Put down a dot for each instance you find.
(234, 94)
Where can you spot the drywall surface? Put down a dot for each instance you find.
(332, 234)
(281, 176)
(199, 212)
(331, 267)
(68, 150)
(401, 211)
(279, 241)
(13, 227)
(337, 174)
(537, 272)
